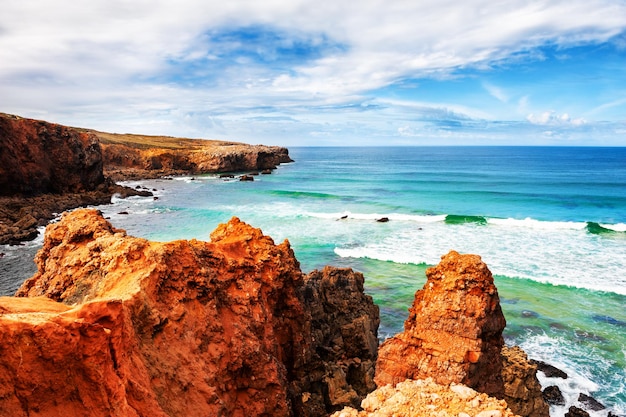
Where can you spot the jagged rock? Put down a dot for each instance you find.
(522, 390)
(344, 326)
(549, 371)
(453, 332)
(590, 403)
(553, 395)
(427, 398)
(576, 412)
(121, 326)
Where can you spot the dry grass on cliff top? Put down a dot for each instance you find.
(166, 142)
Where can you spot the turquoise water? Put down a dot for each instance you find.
(549, 222)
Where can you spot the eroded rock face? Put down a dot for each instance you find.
(453, 332)
(117, 325)
(40, 157)
(522, 390)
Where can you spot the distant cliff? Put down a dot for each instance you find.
(128, 156)
(46, 168)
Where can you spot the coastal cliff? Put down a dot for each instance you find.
(46, 168)
(139, 156)
(113, 325)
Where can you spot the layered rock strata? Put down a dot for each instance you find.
(125, 160)
(453, 332)
(113, 325)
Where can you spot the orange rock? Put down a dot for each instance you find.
(453, 332)
(131, 327)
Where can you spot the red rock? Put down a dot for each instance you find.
(121, 326)
(40, 157)
(453, 332)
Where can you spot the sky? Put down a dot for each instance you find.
(320, 72)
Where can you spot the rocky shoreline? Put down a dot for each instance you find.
(46, 168)
(112, 325)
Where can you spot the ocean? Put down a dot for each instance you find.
(550, 222)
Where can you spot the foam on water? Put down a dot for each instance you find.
(581, 370)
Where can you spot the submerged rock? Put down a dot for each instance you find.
(117, 325)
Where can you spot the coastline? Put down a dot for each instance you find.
(48, 168)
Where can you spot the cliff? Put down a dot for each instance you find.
(113, 325)
(38, 157)
(139, 156)
(46, 168)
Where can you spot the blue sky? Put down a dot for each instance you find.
(317, 72)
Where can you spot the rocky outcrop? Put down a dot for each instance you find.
(124, 162)
(522, 390)
(39, 157)
(453, 332)
(427, 398)
(113, 325)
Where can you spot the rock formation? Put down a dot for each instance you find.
(453, 332)
(454, 335)
(113, 325)
(124, 160)
(427, 398)
(522, 390)
(38, 157)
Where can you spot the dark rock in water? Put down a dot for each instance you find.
(609, 320)
(383, 220)
(549, 370)
(553, 395)
(558, 326)
(123, 212)
(590, 403)
(227, 176)
(343, 217)
(527, 314)
(581, 334)
(266, 171)
(576, 412)
(246, 178)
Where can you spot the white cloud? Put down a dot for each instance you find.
(103, 62)
(554, 119)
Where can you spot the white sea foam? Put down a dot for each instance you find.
(619, 227)
(559, 255)
(537, 224)
(570, 358)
